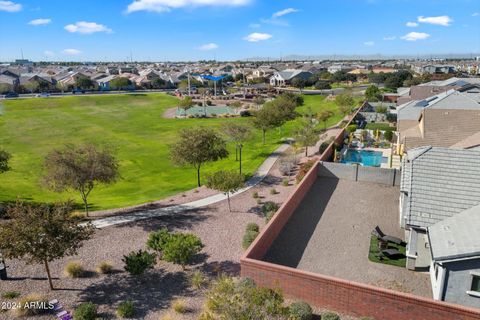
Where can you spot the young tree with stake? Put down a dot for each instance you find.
(226, 182)
(237, 133)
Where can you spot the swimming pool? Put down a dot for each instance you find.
(367, 158)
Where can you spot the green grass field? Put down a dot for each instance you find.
(133, 127)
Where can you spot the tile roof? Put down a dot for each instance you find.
(440, 183)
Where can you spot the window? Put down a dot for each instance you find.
(475, 283)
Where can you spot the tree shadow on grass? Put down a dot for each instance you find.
(150, 292)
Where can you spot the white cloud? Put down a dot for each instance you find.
(440, 20)
(414, 36)
(84, 27)
(256, 37)
(10, 6)
(48, 53)
(167, 5)
(411, 24)
(476, 14)
(72, 52)
(254, 25)
(39, 22)
(281, 13)
(389, 38)
(208, 46)
(369, 43)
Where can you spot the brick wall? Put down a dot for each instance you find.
(333, 293)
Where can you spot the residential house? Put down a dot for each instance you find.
(440, 212)
(285, 77)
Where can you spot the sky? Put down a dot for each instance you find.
(187, 30)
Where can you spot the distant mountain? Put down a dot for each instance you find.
(295, 57)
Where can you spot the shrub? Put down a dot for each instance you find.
(304, 168)
(255, 195)
(388, 135)
(179, 306)
(180, 248)
(300, 311)
(285, 182)
(85, 311)
(323, 147)
(157, 240)
(330, 316)
(126, 309)
(78, 215)
(259, 201)
(136, 263)
(269, 206)
(105, 267)
(273, 191)
(209, 102)
(28, 301)
(248, 238)
(245, 113)
(197, 280)
(269, 216)
(10, 294)
(253, 227)
(74, 269)
(351, 128)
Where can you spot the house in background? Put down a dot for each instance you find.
(440, 213)
(285, 77)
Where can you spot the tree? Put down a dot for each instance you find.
(265, 119)
(5, 87)
(237, 105)
(185, 104)
(345, 103)
(84, 83)
(226, 182)
(237, 133)
(4, 158)
(306, 134)
(322, 85)
(323, 116)
(372, 93)
(298, 83)
(258, 101)
(80, 168)
(120, 83)
(197, 146)
(42, 233)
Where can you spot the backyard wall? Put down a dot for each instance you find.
(333, 293)
(355, 172)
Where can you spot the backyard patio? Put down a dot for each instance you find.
(330, 233)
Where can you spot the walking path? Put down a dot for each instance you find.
(260, 174)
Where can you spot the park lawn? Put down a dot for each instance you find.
(133, 127)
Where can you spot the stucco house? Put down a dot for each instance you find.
(440, 212)
(285, 77)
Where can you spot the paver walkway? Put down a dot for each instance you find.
(260, 174)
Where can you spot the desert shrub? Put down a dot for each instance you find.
(180, 248)
(351, 128)
(245, 113)
(273, 191)
(330, 316)
(323, 147)
(85, 311)
(255, 195)
(10, 294)
(286, 165)
(259, 201)
(157, 240)
(269, 206)
(78, 215)
(198, 280)
(285, 182)
(300, 311)
(304, 168)
(269, 216)
(136, 263)
(29, 300)
(105, 267)
(248, 238)
(74, 269)
(229, 298)
(126, 309)
(253, 227)
(179, 306)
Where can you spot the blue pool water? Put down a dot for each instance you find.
(366, 157)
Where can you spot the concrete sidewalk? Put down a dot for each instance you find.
(260, 174)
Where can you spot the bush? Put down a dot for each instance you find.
(85, 311)
(74, 269)
(273, 191)
(253, 227)
(388, 135)
(269, 216)
(180, 248)
(330, 316)
(255, 195)
(136, 263)
(198, 280)
(105, 267)
(10, 294)
(269, 206)
(209, 102)
(157, 240)
(351, 128)
(304, 168)
(126, 309)
(323, 147)
(29, 300)
(300, 311)
(179, 306)
(285, 182)
(248, 238)
(78, 215)
(245, 113)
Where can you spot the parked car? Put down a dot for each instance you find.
(43, 95)
(11, 95)
(74, 91)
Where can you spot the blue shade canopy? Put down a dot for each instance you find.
(210, 77)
